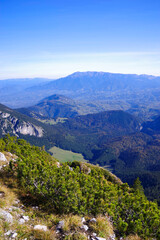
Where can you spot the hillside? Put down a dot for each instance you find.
(52, 107)
(43, 199)
(152, 127)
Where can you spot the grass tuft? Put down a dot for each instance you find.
(72, 223)
(102, 227)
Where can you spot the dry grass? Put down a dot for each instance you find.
(72, 223)
(102, 227)
(9, 197)
(132, 237)
(41, 235)
(76, 236)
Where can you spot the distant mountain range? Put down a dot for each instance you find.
(99, 91)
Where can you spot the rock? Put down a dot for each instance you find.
(60, 225)
(35, 207)
(21, 221)
(6, 216)
(5, 115)
(2, 194)
(84, 227)
(8, 233)
(58, 164)
(83, 220)
(11, 234)
(2, 157)
(26, 218)
(93, 220)
(99, 238)
(40, 227)
(14, 235)
(94, 234)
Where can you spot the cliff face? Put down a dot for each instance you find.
(12, 125)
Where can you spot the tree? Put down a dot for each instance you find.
(138, 186)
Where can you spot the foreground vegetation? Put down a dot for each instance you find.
(82, 189)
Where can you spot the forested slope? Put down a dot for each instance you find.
(81, 189)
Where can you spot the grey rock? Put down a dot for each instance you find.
(21, 221)
(83, 220)
(60, 225)
(26, 218)
(84, 227)
(6, 216)
(11, 234)
(8, 233)
(93, 220)
(2, 157)
(40, 227)
(14, 235)
(94, 234)
(99, 238)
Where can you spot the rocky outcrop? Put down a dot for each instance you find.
(12, 125)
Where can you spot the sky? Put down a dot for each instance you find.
(54, 38)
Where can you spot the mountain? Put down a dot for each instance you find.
(96, 91)
(110, 123)
(102, 81)
(52, 107)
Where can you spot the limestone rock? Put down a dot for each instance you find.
(2, 157)
(40, 227)
(84, 227)
(93, 220)
(6, 216)
(11, 234)
(99, 238)
(60, 225)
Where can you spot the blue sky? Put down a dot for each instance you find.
(53, 38)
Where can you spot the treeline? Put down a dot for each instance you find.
(82, 189)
